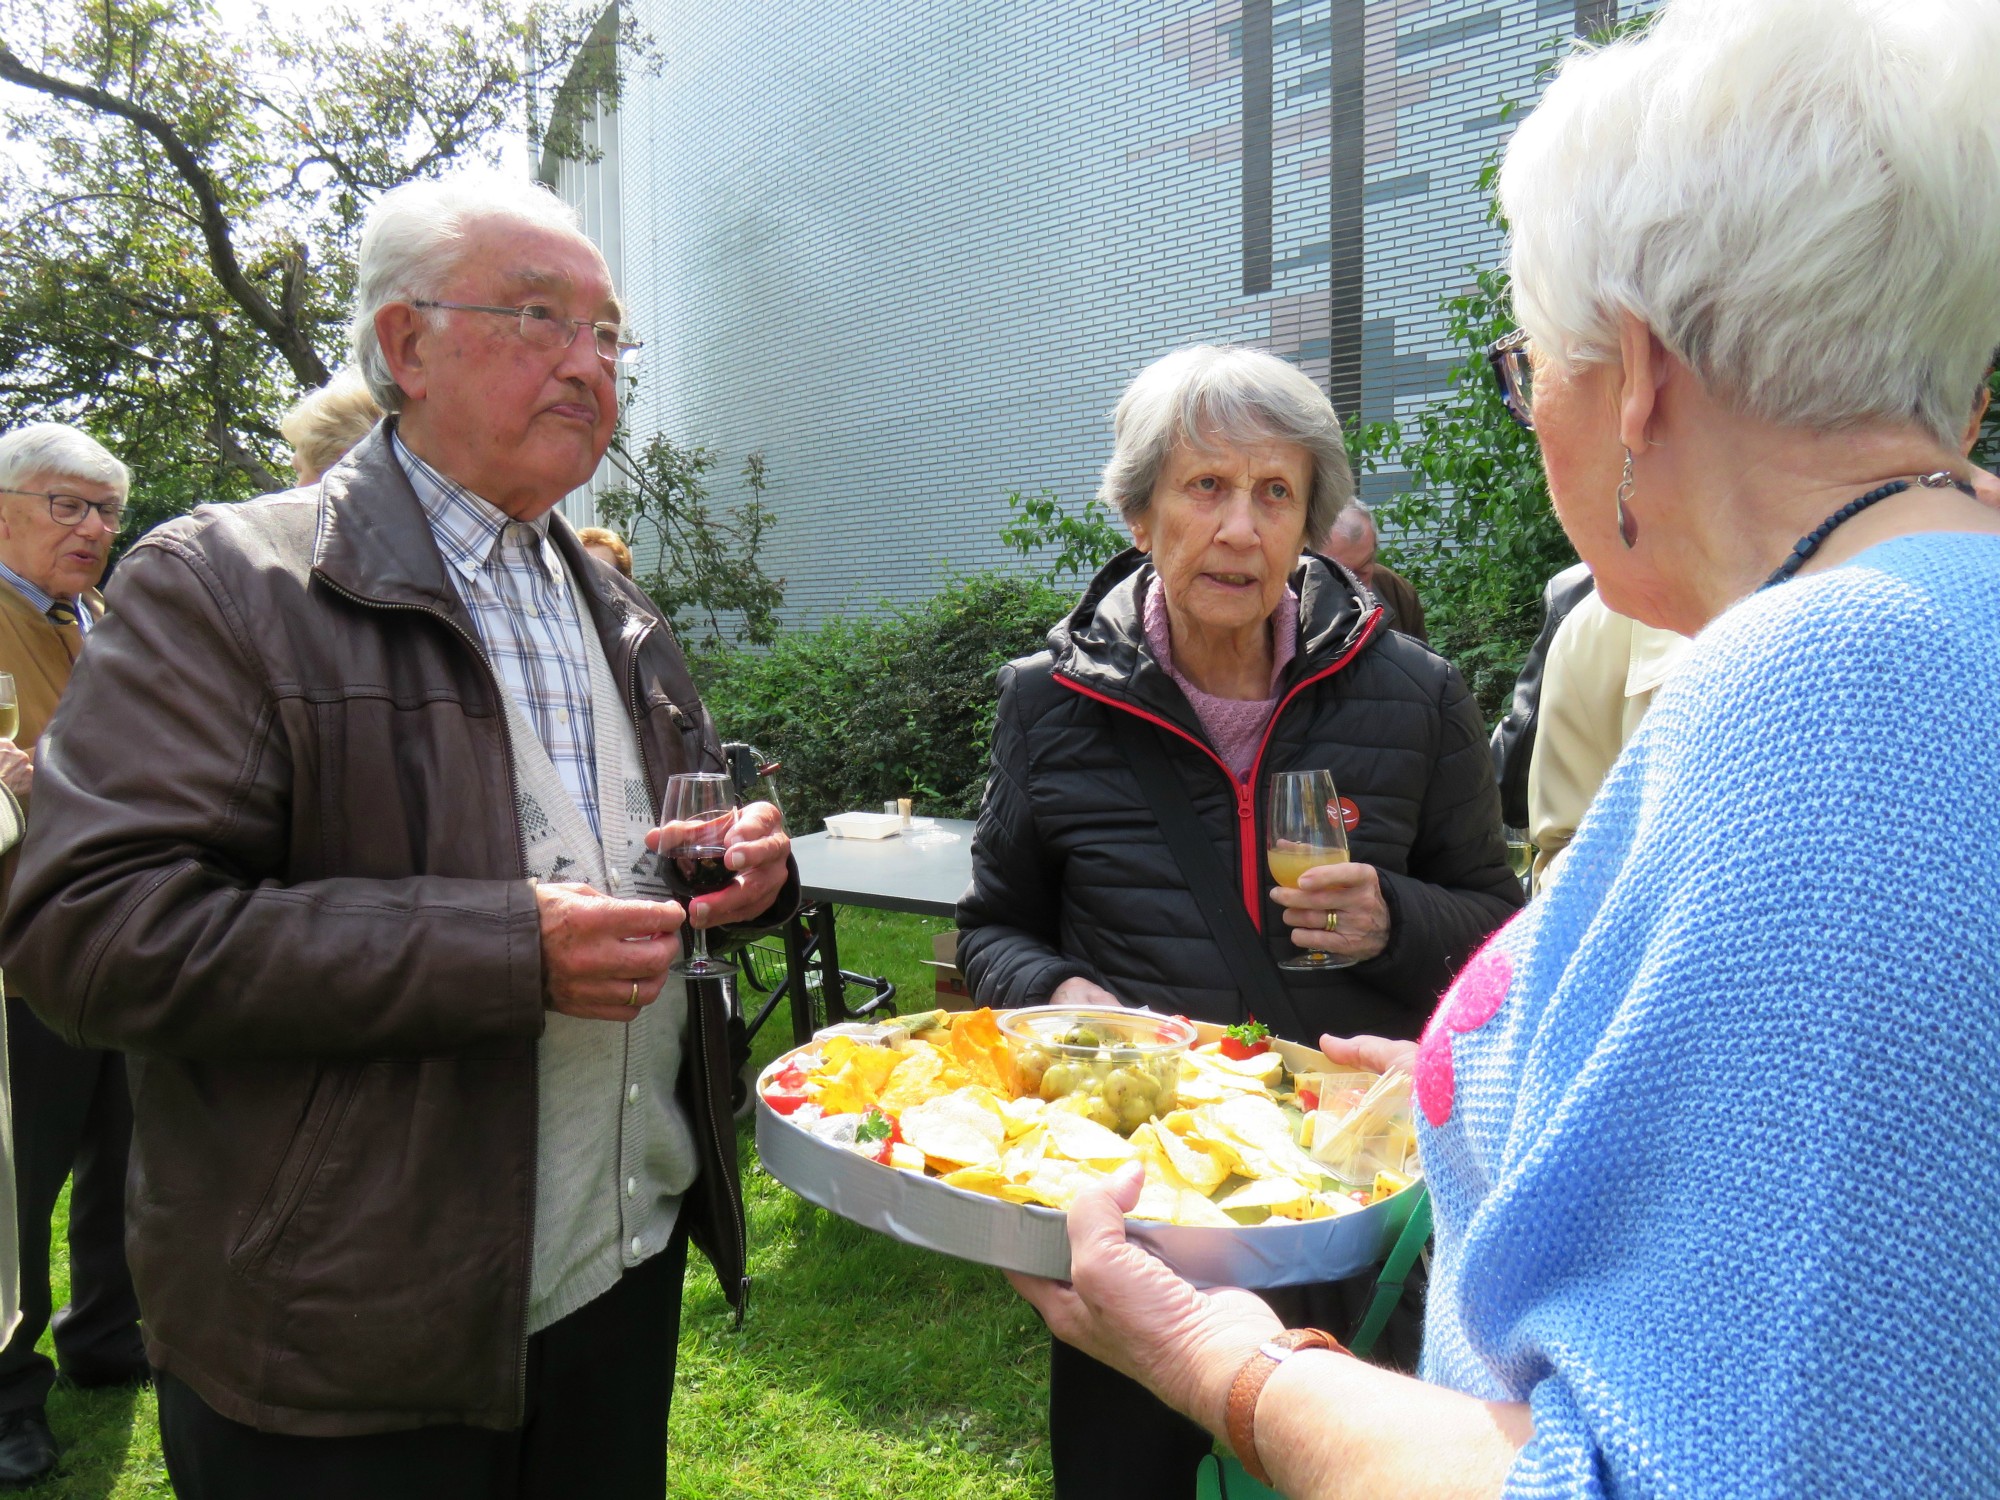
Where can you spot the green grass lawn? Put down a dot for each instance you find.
(866, 1368)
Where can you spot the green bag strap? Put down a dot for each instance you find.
(1395, 1270)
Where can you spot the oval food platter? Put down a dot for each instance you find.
(923, 1211)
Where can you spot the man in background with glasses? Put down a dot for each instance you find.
(424, 1124)
(62, 496)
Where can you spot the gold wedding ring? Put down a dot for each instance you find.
(1333, 921)
(635, 993)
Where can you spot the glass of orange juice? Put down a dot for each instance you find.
(1306, 831)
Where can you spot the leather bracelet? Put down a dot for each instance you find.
(1241, 1424)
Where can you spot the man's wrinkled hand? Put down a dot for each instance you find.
(757, 849)
(602, 958)
(17, 769)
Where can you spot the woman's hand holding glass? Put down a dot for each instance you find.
(1334, 908)
(1353, 894)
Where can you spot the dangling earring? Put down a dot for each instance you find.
(1628, 524)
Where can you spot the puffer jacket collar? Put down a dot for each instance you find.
(1101, 647)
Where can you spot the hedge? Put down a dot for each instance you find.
(901, 705)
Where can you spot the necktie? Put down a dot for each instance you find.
(63, 612)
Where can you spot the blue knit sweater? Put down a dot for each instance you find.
(1714, 1127)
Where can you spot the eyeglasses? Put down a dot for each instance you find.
(69, 510)
(541, 326)
(1511, 369)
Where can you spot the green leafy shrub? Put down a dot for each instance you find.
(861, 710)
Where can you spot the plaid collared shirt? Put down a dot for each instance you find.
(44, 601)
(514, 583)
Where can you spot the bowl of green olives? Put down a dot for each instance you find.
(1125, 1063)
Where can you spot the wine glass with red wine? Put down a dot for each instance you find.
(699, 809)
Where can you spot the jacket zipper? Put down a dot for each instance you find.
(1245, 787)
(521, 854)
(718, 1142)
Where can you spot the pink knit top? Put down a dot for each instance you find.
(1234, 725)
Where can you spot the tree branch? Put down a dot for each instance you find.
(289, 340)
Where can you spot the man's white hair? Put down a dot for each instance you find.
(55, 451)
(412, 240)
(1208, 394)
(1801, 198)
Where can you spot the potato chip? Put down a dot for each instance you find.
(1023, 1115)
(1273, 1193)
(1200, 1165)
(1257, 1123)
(917, 1078)
(1085, 1140)
(1054, 1183)
(964, 1127)
(907, 1158)
(987, 1179)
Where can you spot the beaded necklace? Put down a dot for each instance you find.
(1808, 544)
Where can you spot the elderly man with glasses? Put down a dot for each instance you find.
(424, 1121)
(61, 501)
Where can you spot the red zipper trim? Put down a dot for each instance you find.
(1244, 787)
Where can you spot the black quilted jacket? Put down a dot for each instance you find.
(1071, 874)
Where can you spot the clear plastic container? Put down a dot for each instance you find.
(1126, 1063)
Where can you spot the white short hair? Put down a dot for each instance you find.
(1801, 198)
(412, 239)
(1208, 394)
(58, 451)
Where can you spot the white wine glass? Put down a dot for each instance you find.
(10, 708)
(697, 813)
(1306, 831)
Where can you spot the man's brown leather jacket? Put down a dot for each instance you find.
(275, 857)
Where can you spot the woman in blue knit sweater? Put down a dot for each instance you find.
(1711, 1126)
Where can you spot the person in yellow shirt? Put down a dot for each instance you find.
(1603, 670)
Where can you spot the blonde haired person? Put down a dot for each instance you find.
(607, 546)
(1708, 1127)
(325, 423)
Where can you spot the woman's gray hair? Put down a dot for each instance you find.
(58, 451)
(1800, 198)
(412, 239)
(1210, 395)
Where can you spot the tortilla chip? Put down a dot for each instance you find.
(983, 1053)
(850, 1078)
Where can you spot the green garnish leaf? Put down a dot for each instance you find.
(1248, 1031)
(874, 1126)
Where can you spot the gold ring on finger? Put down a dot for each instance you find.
(1333, 921)
(635, 993)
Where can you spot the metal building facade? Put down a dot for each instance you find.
(913, 250)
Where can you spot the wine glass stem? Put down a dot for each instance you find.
(700, 943)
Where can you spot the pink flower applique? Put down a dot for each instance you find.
(1473, 1000)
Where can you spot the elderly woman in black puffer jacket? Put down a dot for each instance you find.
(1218, 651)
